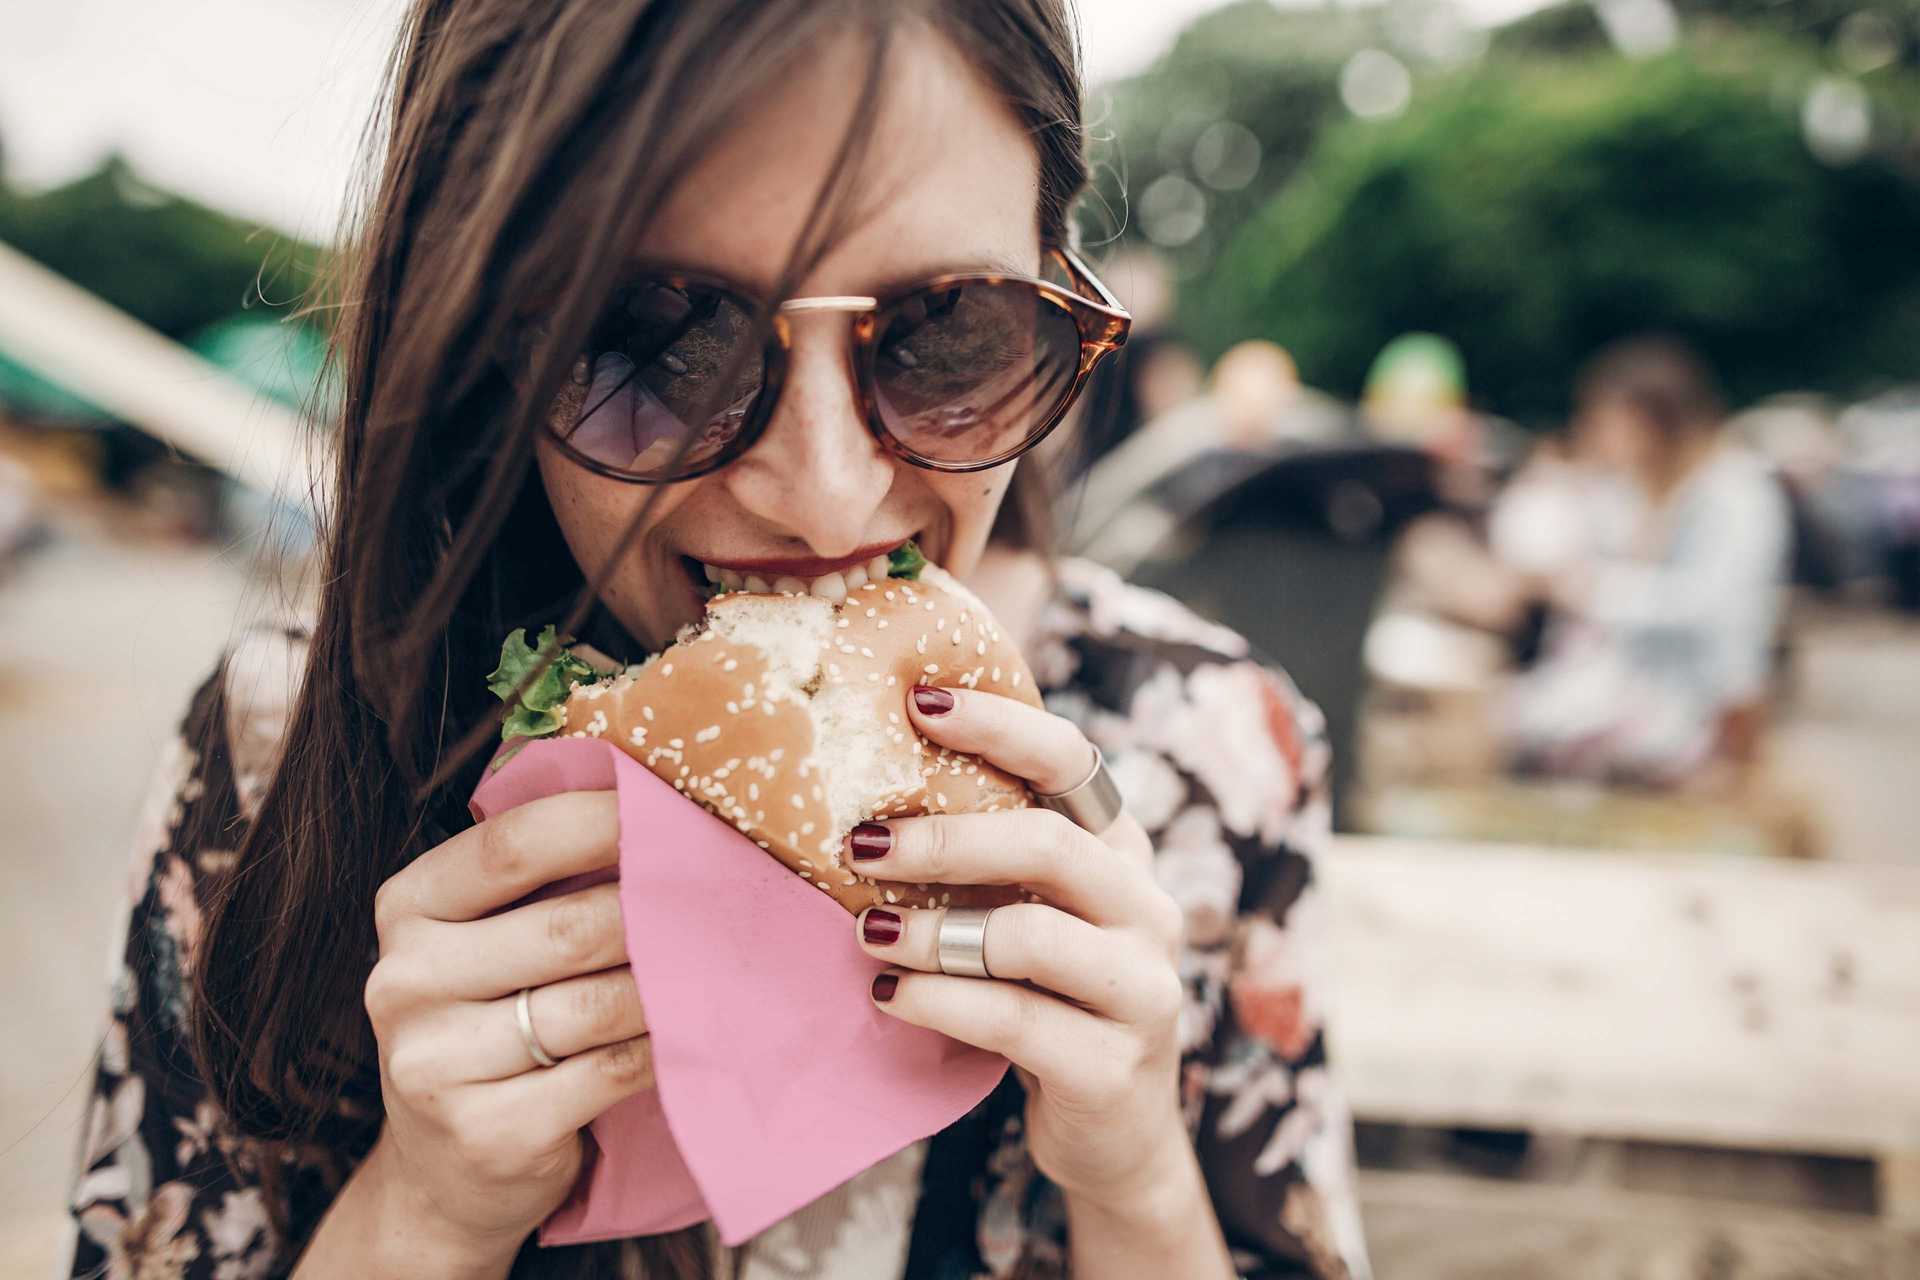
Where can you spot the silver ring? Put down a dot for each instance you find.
(963, 941)
(1093, 804)
(523, 1014)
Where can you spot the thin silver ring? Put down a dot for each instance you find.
(963, 941)
(523, 1014)
(1093, 804)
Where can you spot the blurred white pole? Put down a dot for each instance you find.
(71, 337)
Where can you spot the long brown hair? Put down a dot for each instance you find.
(518, 151)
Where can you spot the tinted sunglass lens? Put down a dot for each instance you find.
(969, 373)
(652, 370)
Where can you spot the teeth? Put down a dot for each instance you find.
(831, 586)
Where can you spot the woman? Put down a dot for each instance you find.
(313, 1065)
(1657, 664)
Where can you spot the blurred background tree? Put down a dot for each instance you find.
(1749, 177)
(169, 261)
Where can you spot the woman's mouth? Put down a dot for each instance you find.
(834, 584)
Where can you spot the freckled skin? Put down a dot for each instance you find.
(953, 181)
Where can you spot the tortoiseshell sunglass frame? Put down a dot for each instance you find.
(1100, 320)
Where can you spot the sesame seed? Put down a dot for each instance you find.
(892, 896)
(753, 791)
(707, 734)
(647, 712)
(981, 647)
(920, 645)
(798, 803)
(730, 664)
(892, 681)
(893, 717)
(676, 743)
(639, 736)
(996, 673)
(733, 708)
(941, 796)
(666, 668)
(806, 864)
(866, 652)
(873, 677)
(821, 885)
(881, 623)
(940, 625)
(932, 668)
(873, 613)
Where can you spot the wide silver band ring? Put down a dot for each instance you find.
(963, 941)
(1093, 804)
(523, 1014)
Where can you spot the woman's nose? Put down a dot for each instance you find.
(816, 471)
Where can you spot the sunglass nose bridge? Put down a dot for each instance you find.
(831, 302)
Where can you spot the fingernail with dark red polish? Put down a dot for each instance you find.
(868, 841)
(930, 701)
(880, 927)
(883, 986)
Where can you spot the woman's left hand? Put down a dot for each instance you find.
(1085, 995)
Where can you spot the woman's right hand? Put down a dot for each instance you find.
(478, 1136)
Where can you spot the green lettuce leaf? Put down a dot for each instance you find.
(539, 710)
(905, 561)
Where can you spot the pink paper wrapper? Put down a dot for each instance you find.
(776, 1078)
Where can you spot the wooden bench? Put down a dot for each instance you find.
(1709, 999)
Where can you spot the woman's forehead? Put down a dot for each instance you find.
(950, 177)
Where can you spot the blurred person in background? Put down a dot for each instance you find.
(1253, 406)
(582, 228)
(1657, 658)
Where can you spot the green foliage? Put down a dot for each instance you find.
(1533, 210)
(1274, 71)
(168, 261)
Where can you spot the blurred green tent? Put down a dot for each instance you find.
(26, 394)
(278, 360)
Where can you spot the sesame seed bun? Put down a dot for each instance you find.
(786, 715)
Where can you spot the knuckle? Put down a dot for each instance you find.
(933, 849)
(387, 992)
(598, 1007)
(1166, 995)
(389, 906)
(627, 1064)
(1169, 920)
(1031, 938)
(501, 856)
(411, 1069)
(1061, 842)
(577, 926)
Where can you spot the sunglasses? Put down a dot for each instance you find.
(958, 373)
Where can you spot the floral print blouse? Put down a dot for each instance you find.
(1215, 752)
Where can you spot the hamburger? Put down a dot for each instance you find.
(784, 714)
